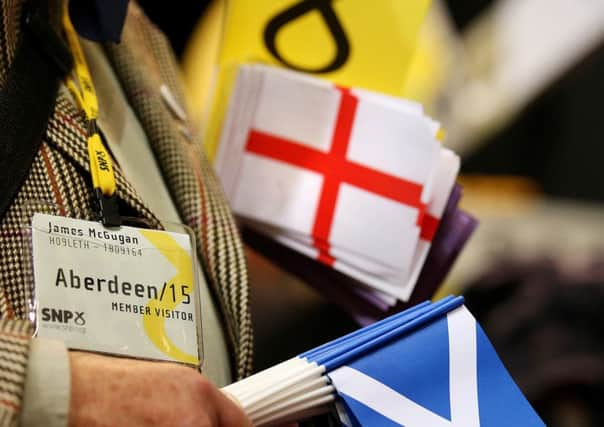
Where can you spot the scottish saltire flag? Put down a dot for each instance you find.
(428, 366)
(446, 374)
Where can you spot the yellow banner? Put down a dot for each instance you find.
(350, 42)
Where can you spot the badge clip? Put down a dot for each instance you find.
(108, 208)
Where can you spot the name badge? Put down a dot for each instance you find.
(124, 291)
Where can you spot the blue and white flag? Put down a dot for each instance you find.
(445, 374)
(428, 366)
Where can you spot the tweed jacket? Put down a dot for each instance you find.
(59, 175)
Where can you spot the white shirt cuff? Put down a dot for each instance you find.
(46, 394)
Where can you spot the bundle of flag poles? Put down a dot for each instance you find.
(430, 365)
(355, 180)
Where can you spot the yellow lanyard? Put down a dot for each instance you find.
(101, 167)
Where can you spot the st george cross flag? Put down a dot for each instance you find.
(431, 365)
(351, 178)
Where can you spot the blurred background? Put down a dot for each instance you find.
(518, 86)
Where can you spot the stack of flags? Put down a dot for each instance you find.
(430, 365)
(355, 180)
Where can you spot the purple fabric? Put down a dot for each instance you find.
(456, 227)
(369, 297)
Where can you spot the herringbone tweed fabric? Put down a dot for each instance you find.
(143, 62)
(59, 183)
(14, 347)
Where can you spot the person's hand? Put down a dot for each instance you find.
(107, 391)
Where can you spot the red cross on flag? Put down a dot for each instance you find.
(354, 179)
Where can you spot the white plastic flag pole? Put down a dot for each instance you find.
(300, 385)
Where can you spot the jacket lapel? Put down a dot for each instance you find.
(66, 131)
(143, 63)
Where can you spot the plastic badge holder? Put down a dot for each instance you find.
(124, 291)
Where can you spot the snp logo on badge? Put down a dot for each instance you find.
(58, 315)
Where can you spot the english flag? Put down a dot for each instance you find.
(354, 179)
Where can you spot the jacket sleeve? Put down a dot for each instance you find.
(15, 336)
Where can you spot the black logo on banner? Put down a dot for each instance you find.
(333, 25)
(58, 315)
